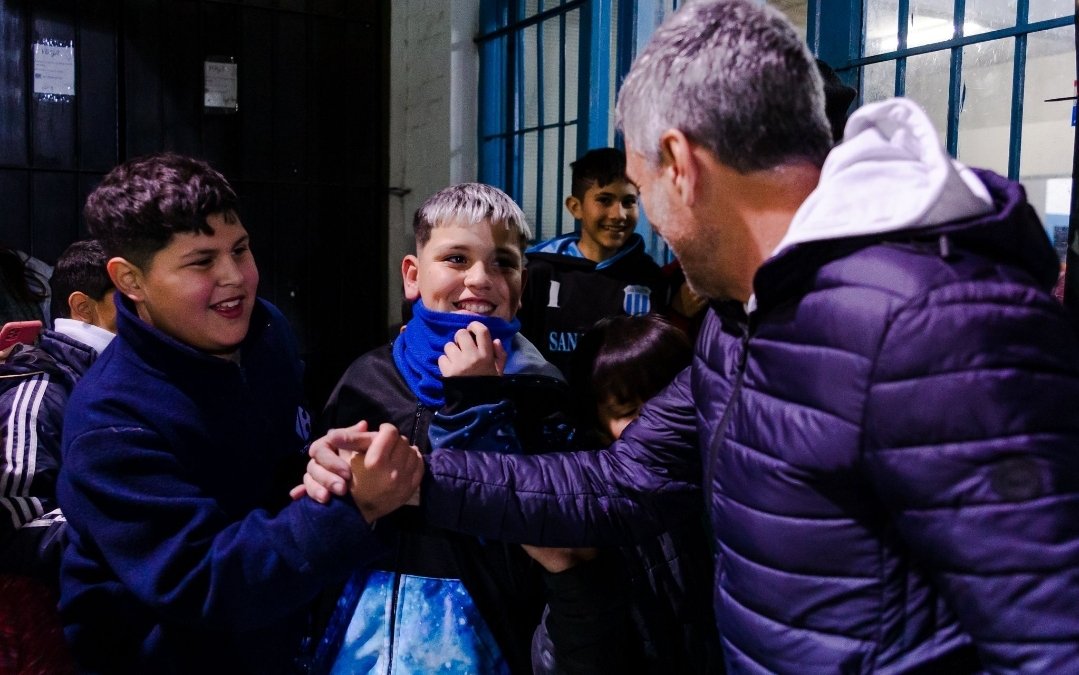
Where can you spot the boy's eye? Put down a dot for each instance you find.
(508, 263)
(629, 203)
(240, 250)
(456, 259)
(202, 262)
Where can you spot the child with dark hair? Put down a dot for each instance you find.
(35, 384)
(599, 271)
(172, 565)
(619, 364)
(439, 601)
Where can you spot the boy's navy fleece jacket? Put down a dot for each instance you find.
(185, 554)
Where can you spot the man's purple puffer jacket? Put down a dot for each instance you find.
(891, 447)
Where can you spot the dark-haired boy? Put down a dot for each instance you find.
(603, 270)
(35, 383)
(438, 601)
(173, 565)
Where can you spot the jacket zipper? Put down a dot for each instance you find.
(397, 560)
(717, 437)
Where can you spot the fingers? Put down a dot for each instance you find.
(328, 471)
(500, 357)
(472, 352)
(387, 475)
(325, 457)
(355, 437)
(381, 451)
(322, 483)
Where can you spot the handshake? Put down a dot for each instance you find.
(379, 469)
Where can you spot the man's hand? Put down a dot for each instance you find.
(472, 352)
(328, 471)
(387, 475)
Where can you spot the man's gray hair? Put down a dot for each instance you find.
(733, 76)
(469, 204)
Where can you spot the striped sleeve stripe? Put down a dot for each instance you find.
(20, 451)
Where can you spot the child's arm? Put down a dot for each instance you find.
(181, 552)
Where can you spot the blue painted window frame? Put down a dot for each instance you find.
(835, 33)
(501, 129)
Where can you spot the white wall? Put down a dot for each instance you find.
(434, 69)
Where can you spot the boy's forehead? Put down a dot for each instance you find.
(619, 186)
(502, 233)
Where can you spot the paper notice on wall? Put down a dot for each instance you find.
(220, 85)
(54, 69)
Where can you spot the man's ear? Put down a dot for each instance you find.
(82, 307)
(575, 208)
(127, 277)
(410, 275)
(679, 161)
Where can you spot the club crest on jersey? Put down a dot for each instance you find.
(637, 300)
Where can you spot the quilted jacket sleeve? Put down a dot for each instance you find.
(641, 485)
(973, 446)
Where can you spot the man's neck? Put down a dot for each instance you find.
(755, 210)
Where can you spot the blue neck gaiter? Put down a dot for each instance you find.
(416, 350)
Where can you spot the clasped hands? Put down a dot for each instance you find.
(380, 470)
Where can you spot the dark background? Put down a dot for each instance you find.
(306, 150)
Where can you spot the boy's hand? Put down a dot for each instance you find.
(328, 472)
(387, 475)
(472, 352)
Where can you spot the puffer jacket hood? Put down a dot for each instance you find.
(891, 180)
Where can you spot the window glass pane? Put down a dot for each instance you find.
(1045, 163)
(1040, 10)
(982, 16)
(878, 81)
(570, 54)
(552, 203)
(529, 8)
(930, 21)
(611, 47)
(552, 54)
(881, 26)
(796, 10)
(569, 143)
(529, 115)
(986, 102)
(927, 84)
(529, 174)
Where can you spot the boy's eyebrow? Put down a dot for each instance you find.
(198, 252)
